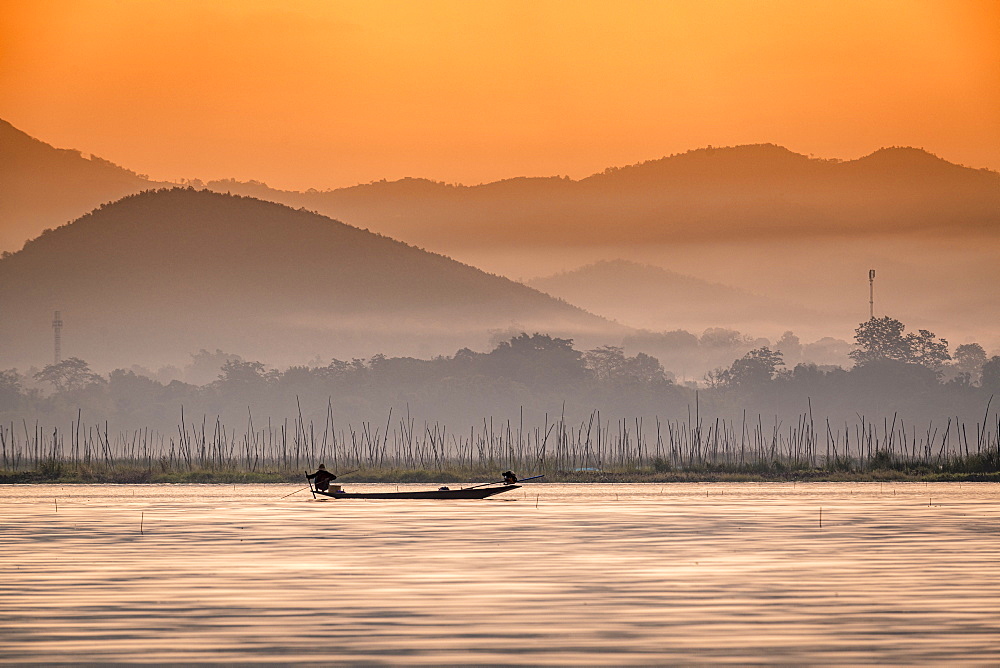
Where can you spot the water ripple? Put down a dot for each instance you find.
(552, 574)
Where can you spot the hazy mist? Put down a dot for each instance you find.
(684, 265)
(799, 234)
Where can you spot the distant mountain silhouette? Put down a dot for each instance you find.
(739, 192)
(651, 297)
(750, 191)
(42, 186)
(158, 275)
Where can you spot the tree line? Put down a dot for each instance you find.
(912, 374)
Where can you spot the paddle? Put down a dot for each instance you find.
(295, 492)
(483, 484)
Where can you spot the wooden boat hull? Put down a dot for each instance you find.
(480, 493)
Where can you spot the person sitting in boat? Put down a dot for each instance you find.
(509, 478)
(322, 477)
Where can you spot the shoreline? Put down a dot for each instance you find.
(429, 477)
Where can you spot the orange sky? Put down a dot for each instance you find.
(324, 93)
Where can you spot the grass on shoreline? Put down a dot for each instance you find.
(62, 473)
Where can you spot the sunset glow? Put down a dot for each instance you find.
(326, 94)
(617, 332)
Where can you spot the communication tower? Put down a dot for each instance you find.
(871, 294)
(57, 324)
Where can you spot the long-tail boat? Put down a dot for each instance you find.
(475, 492)
(443, 493)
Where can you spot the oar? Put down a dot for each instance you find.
(310, 485)
(483, 484)
(295, 492)
(534, 477)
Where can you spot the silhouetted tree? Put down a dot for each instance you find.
(605, 362)
(757, 367)
(238, 372)
(719, 337)
(927, 350)
(716, 378)
(610, 364)
(68, 375)
(643, 369)
(969, 359)
(537, 358)
(806, 372)
(790, 348)
(880, 339)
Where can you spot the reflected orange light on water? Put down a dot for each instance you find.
(548, 574)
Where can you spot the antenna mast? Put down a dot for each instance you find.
(871, 293)
(57, 324)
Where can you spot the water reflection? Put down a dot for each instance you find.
(548, 574)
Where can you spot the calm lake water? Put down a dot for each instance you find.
(548, 574)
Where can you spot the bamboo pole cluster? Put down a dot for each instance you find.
(692, 443)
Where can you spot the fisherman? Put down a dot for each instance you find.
(323, 478)
(509, 478)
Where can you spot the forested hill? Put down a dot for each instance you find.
(737, 192)
(42, 186)
(158, 275)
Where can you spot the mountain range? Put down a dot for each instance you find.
(738, 192)
(735, 192)
(799, 229)
(156, 276)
